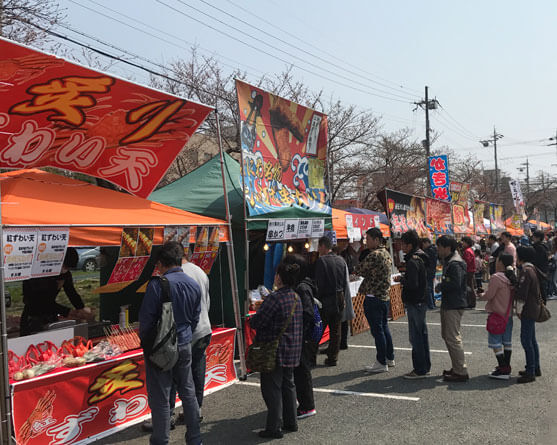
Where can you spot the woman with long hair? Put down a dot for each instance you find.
(281, 310)
(528, 297)
(499, 296)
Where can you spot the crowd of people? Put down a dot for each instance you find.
(520, 275)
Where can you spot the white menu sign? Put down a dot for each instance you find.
(51, 248)
(317, 228)
(304, 228)
(275, 230)
(291, 228)
(19, 250)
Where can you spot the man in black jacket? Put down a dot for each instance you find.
(331, 278)
(414, 292)
(542, 261)
(431, 251)
(453, 302)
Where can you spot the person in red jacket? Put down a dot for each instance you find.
(470, 260)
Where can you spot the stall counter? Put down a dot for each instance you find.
(80, 405)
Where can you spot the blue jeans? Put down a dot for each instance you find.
(376, 311)
(159, 386)
(530, 345)
(417, 331)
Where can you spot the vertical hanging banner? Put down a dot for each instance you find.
(516, 193)
(479, 220)
(438, 216)
(439, 177)
(284, 148)
(463, 223)
(405, 212)
(60, 114)
(496, 219)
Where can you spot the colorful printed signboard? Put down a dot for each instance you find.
(463, 223)
(284, 147)
(60, 114)
(439, 177)
(405, 212)
(81, 405)
(438, 216)
(496, 218)
(479, 212)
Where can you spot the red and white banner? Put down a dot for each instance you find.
(71, 406)
(60, 114)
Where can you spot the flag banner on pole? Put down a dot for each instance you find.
(439, 177)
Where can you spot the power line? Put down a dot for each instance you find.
(459, 124)
(327, 61)
(143, 31)
(448, 125)
(278, 58)
(119, 59)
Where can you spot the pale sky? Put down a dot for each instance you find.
(489, 63)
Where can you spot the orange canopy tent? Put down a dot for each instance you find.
(94, 214)
(542, 225)
(339, 224)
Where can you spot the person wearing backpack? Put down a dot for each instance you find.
(499, 296)
(184, 294)
(312, 330)
(414, 297)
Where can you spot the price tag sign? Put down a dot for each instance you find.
(291, 228)
(317, 228)
(275, 230)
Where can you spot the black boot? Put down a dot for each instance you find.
(508, 353)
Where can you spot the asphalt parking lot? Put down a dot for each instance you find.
(356, 408)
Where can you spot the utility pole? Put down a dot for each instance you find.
(427, 105)
(493, 141)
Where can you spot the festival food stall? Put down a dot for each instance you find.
(55, 113)
(101, 389)
(351, 226)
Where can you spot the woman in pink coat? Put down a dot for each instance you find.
(499, 296)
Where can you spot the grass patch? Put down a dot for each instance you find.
(84, 282)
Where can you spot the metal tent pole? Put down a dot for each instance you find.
(5, 402)
(232, 260)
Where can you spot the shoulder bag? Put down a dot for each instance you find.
(262, 355)
(496, 323)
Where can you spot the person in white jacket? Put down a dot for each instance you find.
(202, 333)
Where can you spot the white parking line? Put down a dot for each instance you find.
(342, 392)
(439, 324)
(403, 349)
